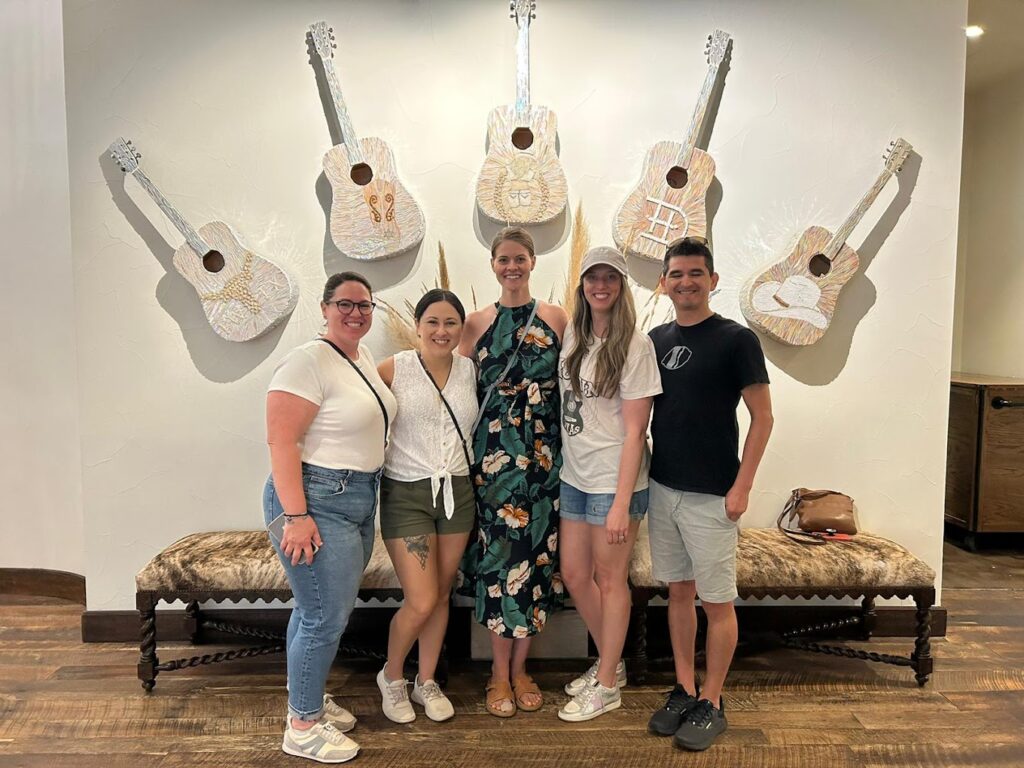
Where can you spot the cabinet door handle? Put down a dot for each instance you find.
(1002, 402)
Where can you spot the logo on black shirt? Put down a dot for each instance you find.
(676, 358)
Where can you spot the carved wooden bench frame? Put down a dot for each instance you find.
(920, 659)
(147, 600)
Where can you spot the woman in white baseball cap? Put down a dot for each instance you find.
(608, 377)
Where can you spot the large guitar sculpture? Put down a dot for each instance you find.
(669, 200)
(521, 181)
(794, 300)
(243, 295)
(373, 216)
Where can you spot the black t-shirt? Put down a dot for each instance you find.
(703, 369)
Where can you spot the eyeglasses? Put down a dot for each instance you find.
(346, 307)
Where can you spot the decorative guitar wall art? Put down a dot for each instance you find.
(243, 295)
(373, 216)
(522, 181)
(794, 300)
(669, 200)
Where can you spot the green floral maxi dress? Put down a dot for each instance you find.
(511, 568)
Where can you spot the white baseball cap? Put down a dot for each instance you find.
(604, 254)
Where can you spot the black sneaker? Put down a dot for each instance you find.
(703, 725)
(667, 720)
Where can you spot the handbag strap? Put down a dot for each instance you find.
(362, 375)
(455, 421)
(508, 366)
(801, 537)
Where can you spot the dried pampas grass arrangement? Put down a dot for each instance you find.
(579, 248)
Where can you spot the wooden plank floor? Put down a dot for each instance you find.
(63, 703)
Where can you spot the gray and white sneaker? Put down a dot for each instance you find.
(593, 701)
(589, 677)
(336, 715)
(430, 696)
(323, 743)
(395, 698)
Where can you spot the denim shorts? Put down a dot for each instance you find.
(593, 508)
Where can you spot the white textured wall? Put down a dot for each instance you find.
(222, 101)
(40, 470)
(990, 266)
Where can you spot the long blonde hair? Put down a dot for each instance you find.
(611, 357)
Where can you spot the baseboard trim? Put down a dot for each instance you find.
(42, 582)
(370, 624)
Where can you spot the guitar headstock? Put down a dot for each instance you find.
(125, 155)
(323, 40)
(897, 154)
(717, 45)
(522, 11)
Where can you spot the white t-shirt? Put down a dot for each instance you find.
(592, 426)
(348, 430)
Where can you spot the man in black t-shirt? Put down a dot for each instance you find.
(699, 486)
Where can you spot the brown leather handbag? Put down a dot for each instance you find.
(819, 515)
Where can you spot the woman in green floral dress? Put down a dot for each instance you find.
(511, 568)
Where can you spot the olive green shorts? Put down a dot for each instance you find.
(407, 509)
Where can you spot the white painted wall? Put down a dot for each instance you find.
(221, 99)
(41, 467)
(989, 265)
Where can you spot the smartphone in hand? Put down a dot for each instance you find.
(276, 530)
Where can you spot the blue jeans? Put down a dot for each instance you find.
(582, 507)
(342, 503)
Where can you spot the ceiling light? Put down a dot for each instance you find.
(975, 31)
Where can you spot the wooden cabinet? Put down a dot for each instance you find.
(985, 454)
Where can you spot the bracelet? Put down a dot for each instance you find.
(289, 518)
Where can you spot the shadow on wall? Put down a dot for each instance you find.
(821, 363)
(546, 237)
(215, 358)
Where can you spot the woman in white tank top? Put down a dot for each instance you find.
(427, 503)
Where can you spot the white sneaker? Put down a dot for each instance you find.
(589, 677)
(430, 696)
(323, 743)
(589, 703)
(336, 715)
(395, 698)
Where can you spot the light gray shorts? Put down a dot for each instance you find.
(692, 539)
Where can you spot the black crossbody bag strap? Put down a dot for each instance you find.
(508, 366)
(455, 421)
(357, 369)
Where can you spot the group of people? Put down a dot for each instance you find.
(512, 446)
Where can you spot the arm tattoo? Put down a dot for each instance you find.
(419, 546)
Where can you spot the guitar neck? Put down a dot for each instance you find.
(699, 116)
(348, 133)
(195, 242)
(523, 74)
(843, 233)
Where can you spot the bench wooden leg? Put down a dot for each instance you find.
(636, 641)
(192, 624)
(868, 617)
(922, 656)
(147, 668)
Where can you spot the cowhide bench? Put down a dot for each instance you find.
(231, 566)
(770, 564)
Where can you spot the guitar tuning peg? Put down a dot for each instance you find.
(331, 30)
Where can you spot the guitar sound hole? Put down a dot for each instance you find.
(819, 265)
(361, 174)
(213, 261)
(522, 138)
(677, 177)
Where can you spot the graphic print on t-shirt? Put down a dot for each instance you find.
(676, 358)
(572, 413)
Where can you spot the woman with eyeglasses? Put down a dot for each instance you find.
(426, 497)
(328, 412)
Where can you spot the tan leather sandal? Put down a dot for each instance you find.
(497, 692)
(524, 685)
